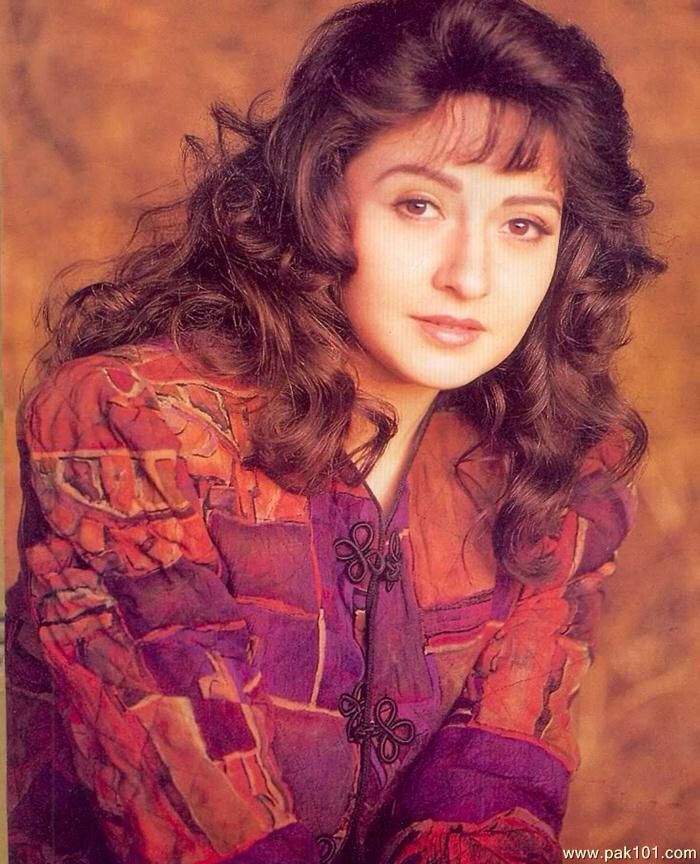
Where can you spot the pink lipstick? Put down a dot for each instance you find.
(449, 331)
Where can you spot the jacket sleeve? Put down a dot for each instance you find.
(149, 656)
(492, 784)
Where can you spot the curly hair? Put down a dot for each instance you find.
(248, 268)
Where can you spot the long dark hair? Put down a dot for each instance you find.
(248, 269)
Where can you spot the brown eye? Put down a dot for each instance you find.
(526, 229)
(417, 207)
(520, 227)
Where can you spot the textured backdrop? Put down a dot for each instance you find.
(97, 96)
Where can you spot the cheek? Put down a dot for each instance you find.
(381, 282)
(385, 251)
(530, 280)
(527, 286)
(361, 305)
(352, 300)
(371, 237)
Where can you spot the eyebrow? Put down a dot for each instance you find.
(456, 186)
(423, 170)
(545, 200)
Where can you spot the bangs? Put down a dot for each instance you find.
(508, 133)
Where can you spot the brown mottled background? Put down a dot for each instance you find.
(97, 96)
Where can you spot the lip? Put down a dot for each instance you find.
(452, 323)
(449, 331)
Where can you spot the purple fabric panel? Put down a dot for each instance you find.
(317, 763)
(343, 663)
(55, 814)
(504, 594)
(359, 600)
(292, 844)
(179, 660)
(285, 650)
(187, 593)
(400, 668)
(332, 518)
(469, 775)
(269, 559)
(223, 726)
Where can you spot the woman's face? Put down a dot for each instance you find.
(453, 257)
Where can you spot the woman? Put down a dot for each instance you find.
(322, 487)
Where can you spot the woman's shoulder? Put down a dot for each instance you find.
(601, 505)
(131, 389)
(595, 522)
(603, 501)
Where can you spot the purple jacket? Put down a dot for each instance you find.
(205, 667)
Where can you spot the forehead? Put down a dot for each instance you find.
(471, 128)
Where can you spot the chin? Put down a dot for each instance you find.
(448, 378)
(438, 383)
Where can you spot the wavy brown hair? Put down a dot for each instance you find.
(248, 268)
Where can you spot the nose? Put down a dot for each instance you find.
(463, 267)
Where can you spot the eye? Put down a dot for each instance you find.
(527, 229)
(417, 208)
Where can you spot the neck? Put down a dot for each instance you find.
(411, 403)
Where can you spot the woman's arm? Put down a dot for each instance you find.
(492, 784)
(149, 655)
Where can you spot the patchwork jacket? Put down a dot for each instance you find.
(207, 668)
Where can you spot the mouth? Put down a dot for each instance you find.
(450, 323)
(448, 331)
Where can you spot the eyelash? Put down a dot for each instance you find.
(401, 206)
(541, 229)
